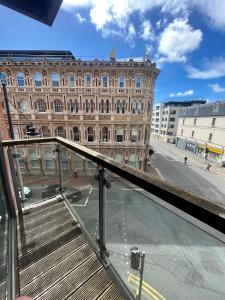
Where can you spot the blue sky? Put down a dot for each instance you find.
(185, 38)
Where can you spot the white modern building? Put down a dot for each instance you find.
(165, 118)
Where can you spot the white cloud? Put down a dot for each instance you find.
(177, 40)
(68, 4)
(80, 19)
(131, 34)
(210, 70)
(147, 31)
(217, 88)
(180, 94)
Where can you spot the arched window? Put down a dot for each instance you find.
(105, 134)
(20, 79)
(55, 79)
(76, 134)
(58, 105)
(88, 80)
(119, 135)
(105, 81)
(41, 105)
(3, 77)
(71, 80)
(24, 105)
(37, 79)
(121, 81)
(118, 106)
(60, 131)
(45, 132)
(90, 134)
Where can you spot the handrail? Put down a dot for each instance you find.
(196, 206)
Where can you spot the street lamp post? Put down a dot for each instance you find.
(11, 133)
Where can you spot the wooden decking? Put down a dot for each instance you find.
(55, 259)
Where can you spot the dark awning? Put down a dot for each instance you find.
(44, 11)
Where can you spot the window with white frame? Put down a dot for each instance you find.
(134, 135)
(76, 134)
(138, 82)
(88, 80)
(55, 79)
(121, 81)
(58, 105)
(119, 135)
(137, 107)
(3, 77)
(90, 134)
(72, 80)
(105, 134)
(41, 105)
(20, 79)
(105, 81)
(37, 79)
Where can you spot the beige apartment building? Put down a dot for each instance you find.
(104, 105)
(201, 130)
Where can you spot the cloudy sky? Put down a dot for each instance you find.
(186, 39)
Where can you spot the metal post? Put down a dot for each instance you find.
(60, 169)
(102, 213)
(141, 274)
(11, 133)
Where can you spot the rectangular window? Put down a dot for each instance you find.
(55, 79)
(3, 77)
(88, 80)
(138, 82)
(107, 106)
(37, 79)
(20, 79)
(172, 119)
(121, 81)
(72, 80)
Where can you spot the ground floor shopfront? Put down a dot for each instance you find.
(214, 153)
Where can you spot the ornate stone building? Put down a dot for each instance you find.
(104, 105)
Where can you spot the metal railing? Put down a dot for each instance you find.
(199, 215)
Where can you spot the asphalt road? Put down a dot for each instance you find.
(182, 261)
(172, 168)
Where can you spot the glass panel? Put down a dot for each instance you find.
(40, 172)
(81, 189)
(182, 261)
(55, 79)
(37, 79)
(3, 244)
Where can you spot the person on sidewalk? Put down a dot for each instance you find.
(208, 167)
(185, 160)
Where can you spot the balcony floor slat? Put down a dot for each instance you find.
(55, 259)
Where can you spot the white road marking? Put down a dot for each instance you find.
(86, 201)
(218, 195)
(160, 175)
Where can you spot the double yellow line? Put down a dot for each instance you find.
(146, 287)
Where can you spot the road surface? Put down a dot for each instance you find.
(170, 165)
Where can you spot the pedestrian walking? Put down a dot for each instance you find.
(208, 167)
(185, 160)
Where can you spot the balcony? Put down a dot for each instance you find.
(84, 212)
